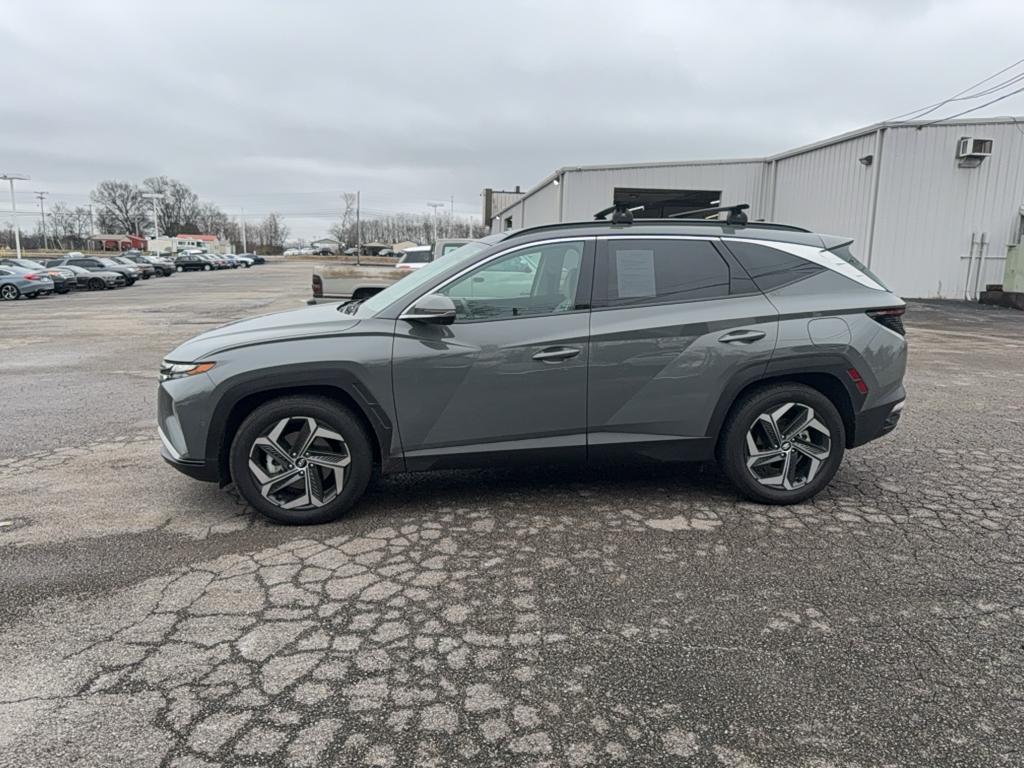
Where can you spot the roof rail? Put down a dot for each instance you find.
(658, 222)
(736, 213)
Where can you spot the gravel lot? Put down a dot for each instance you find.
(641, 616)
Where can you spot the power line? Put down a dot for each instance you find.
(959, 95)
(973, 109)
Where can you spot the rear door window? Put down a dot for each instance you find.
(637, 271)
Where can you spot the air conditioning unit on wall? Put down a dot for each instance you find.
(971, 147)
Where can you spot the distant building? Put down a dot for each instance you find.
(116, 242)
(497, 200)
(329, 243)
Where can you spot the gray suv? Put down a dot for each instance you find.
(764, 346)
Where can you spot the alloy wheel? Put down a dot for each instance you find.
(8, 292)
(299, 463)
(786, 446)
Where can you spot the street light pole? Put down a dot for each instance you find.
(245, 245)
(435, 206)
(359, 232)
(154, 196)
(11, 178)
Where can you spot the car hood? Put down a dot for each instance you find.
(318, 320)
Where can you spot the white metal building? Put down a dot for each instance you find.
(933, 206)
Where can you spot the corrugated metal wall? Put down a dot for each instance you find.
(541, 207)
(827, 189)
(928, 207)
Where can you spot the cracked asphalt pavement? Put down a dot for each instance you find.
(635, 616)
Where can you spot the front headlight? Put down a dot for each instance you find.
(169, 370)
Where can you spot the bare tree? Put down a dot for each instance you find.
(179, 208)
(271, 232)
(120, 206)
(339, 230)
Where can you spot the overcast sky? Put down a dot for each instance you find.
(283, 105)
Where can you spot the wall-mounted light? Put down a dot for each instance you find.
(866, 160)
(555, 182)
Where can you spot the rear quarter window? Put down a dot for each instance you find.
(771, 268)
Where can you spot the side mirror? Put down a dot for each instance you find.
(435, 308)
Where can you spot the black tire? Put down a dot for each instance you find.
(9, 292)
(732, 450)
(206, 268)
(97, 284)
(328, 413)
(180, 269)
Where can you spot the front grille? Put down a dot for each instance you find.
(890, 318)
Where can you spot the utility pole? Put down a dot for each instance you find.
(359, 232)
(42, 212)
(154, 196)
(435, 206)
(451, 215)
(11, 178)
(245, 246)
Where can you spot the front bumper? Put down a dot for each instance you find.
(197, 470)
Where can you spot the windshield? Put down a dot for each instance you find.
(419, 277)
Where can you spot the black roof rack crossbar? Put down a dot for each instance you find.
(736, 213)
(654, 222)
(621, 213)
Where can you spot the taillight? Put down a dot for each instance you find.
(31, 276)
(890, 318)
(318, 287)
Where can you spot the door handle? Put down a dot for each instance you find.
(741, 337)
(556, 354)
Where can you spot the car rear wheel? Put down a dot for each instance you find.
(206, 268)
(97, 284)
(301, 460)
(9, 292)
(782, 443)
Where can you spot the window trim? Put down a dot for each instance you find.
(602, 251)
(584, 292)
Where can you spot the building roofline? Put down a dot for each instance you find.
(837, 139)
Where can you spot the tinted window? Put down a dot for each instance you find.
(658, 272)
(537, 280)
(769, 267)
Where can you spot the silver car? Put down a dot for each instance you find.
(16, 282)
(766, 347)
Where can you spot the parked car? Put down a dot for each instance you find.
(95, 280)
(61, 283)
(414, 258)
(765, 346)
(291, 252)
(255, 258)
(232, 261)
(146, 270)
(18, 281)
(243, 261)
(98, 264)
(161, 267)
(189, 262)
(219, 262)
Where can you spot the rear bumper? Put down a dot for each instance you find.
(875, 422)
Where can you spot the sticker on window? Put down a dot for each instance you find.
(634, 271)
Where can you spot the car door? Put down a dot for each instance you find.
(674, 321)
(508, 377)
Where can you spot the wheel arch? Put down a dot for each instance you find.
(828, 377)
(241, 400)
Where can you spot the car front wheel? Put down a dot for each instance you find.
(782, 443)
(301, 460)
(9, 292)
(206, 268)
